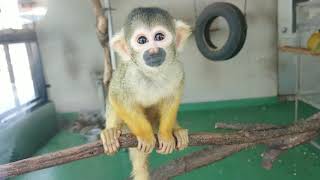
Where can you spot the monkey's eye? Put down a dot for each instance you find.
(159, 37)
(142, 40)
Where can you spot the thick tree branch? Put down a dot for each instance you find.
(240, 126)
(213, 154)
(282, 135)
(196, 160)
(102, 34)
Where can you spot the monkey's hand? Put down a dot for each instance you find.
(182, 138)
(146, 145)
(110, 140)
(166, 143)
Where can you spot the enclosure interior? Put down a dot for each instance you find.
(57, 98)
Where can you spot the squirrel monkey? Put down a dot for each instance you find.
(146, 88)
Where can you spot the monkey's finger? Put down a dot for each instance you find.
(106, 143)
(116, 136)
(111, 141)
(151, 146)
(160, 144)
(150, 149)
(105, 147)
(159, 150)
(179, 140)
(144, 147)
(114, 146)
(163, 149)
(172, 148)
(168, 149)
(139, 144)
(183, 142)
(118, 133)
(186, 139)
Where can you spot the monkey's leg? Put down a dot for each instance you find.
(111, 133)
(139, 164)
(134, 117)
(168, 115)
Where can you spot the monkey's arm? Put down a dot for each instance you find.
(134, 117)
(169, 127)
(168, 115)
(112, 131)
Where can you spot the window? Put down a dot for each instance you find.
(22, 84)
(21, 79)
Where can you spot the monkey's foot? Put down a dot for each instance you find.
(146, 146)
(166, 145)
(110, 140)
(182, 138)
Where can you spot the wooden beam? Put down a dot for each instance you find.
(298, 50)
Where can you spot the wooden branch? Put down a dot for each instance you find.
(214, 154)
(269, 157)
(195, 160)
(240, 126)
(102, 34)
(281, 145)
(312, 124)
(298, 50)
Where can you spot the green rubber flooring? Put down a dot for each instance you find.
(299, 163)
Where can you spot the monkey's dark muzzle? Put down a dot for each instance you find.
(154, 59)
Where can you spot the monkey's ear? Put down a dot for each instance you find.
(183, 31)
(119, 45)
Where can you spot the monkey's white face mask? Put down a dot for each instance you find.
(150, 48)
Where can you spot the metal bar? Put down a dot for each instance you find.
(110, 33)
(315, 144)
(11, 74)
(309, 102)
(310, 93)
(40, 72)
(17, 35)
(32, 68)
(297, 94)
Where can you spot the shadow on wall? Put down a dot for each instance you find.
(70, 54)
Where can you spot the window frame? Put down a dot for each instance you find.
(29, 38)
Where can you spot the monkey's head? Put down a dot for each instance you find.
(150, 38)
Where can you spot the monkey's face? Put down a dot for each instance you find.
(150, 38)
(151, 47)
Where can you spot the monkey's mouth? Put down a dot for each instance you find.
(154, 60)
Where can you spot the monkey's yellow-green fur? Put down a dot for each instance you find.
(144, 99)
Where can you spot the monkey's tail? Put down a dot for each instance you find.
(140, 170)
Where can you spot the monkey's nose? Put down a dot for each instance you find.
(153, 50)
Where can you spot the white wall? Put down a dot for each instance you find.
(71, 53)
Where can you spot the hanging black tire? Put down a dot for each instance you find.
(237, 31)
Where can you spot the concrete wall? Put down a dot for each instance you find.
(71, 53)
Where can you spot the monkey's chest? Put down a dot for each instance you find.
(151, 91)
